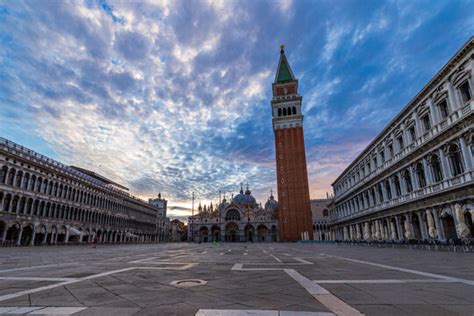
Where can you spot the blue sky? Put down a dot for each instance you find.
(174, 96)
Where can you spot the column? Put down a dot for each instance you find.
(403, 185)
(427, 172)
(444, 165)
(394, 234)
(439, 226)
(45, 238)
(466, 153)
(392, 187)
(399, 228)
(414, 179)
(453, 98)
(433, 113)
(66, 238)
(358, 232)
(378, 234)
(389, 229)
(421, 220)
(4, 234)
(33, 234)
(20, 234)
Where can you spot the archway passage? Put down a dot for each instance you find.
(262, 231)
(231, 231)
(27, 235)
(12, 234)
(416, 227)
(203, 234)
(249, 233)
(449, 227)
(61, 235)
(40, 236)
(216, 233)
(3, 229)
(469, 223)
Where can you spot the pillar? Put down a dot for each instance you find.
(439, 226)
(394, 234)
(399, 228)
(466, 154)
(461, 228)
(20, 234)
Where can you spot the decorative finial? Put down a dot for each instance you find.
(282, 48)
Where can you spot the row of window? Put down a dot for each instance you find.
(404, 182)
(388, 151)
(287, 111)
(27, 181)
(27, 206)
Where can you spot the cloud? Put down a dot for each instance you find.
(174, 96)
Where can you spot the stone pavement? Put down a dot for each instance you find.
(239, 279)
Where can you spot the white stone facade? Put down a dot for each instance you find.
(45, 202)
(415, 179)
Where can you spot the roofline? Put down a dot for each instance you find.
(434, 80)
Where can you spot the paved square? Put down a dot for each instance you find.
(239, 279)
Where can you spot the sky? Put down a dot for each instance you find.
(174, 96)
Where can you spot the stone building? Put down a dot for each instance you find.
(178, 231)
(241, 219)
(43, 201)
(320, 214)
(163, 222)
(414, 181)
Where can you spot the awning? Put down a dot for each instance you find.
(131, 235)
(74, 231)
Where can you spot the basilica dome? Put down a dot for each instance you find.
(271, 203)
(246, 198)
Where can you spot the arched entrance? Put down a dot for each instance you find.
(231, 232)
(249, 233)
(449, 226)
(27, 235)
(203, 234)
(469, 223)
(40, 234)
(262, 233)
(3, 228)
(61, 234)
(12, 233)
(216, 233)
(416, 227)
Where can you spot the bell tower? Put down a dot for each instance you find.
(294, 214)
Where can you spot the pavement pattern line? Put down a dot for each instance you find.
(90, 277)
(383, 281)
(329, 300)
(427, 274)
(40, 310)
(38, 267)
(37, 279)
(256, 312)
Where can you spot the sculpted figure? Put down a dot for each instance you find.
(431, 227)
(461, 228)
(408, 234)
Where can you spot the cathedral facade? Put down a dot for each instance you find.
(241, 219)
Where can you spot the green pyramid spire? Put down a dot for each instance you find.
(284, 72)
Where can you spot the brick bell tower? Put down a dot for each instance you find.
(294, 214)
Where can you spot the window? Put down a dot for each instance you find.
(436, 168)
(426, 122)
(380, 192)
(279, 112)
(455, 160)
(382, 156)
(400, 142)
(325, 212)
(412, 133)
(294, 110)
(284, 111)
(375, 162)
(390, 150)
(388, 190)
(368, 167)
(420, 174)
(465, 92)
(443, 109)
(408, 183)
(396, 182)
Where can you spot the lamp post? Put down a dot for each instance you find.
(192, 219)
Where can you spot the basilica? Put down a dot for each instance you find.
(240, 219)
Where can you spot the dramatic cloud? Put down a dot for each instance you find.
(174, 96)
